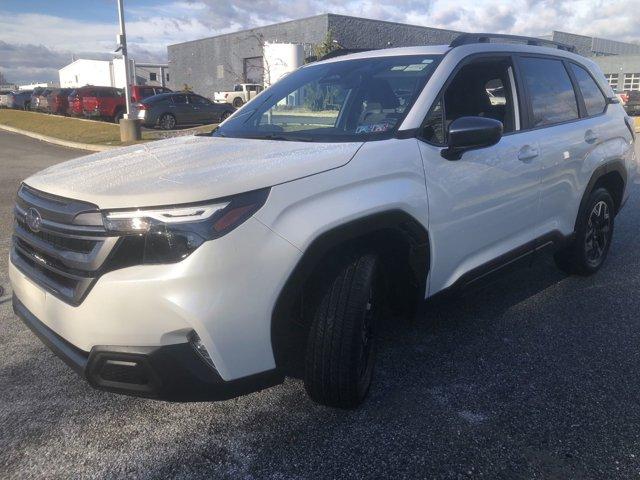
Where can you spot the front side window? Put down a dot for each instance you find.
(594, 100)
(349, 100)
(481, 88)
(197, 100)
(550, 90)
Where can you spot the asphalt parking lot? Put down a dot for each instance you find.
(534, 376)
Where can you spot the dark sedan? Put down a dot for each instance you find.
(170, 110)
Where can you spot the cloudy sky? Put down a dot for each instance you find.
(39, 36)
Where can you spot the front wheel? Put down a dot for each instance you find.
(238, 102)
(341, 345)
(167, 122)
(588, 251)
(224, 116)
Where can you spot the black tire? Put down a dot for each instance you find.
(167, 121)
(340, 352)
(594, 230)
(226, 114)
(238, 102)
(27, 106)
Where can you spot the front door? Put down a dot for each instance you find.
(484, 206)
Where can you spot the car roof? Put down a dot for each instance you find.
(467, 49)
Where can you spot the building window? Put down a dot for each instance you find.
(631, 81)
(612, 78)
(153, 77)
(220, 71)
(167, 77)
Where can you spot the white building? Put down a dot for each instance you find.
(110, 73)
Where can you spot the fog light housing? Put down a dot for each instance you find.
(198, 346)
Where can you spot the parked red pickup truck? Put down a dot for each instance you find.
(104, 102)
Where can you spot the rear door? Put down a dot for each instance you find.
(556, 115)
(180, 108)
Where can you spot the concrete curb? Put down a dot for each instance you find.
(57, 141)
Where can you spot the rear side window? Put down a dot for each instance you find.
(550, 90)
(178, 99)
(593, 98)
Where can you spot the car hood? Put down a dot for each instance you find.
(187, 169)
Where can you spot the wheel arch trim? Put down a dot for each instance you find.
(614, 166)
(390, 220)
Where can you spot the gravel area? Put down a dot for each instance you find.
(534, 376)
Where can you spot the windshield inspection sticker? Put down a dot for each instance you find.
(398, 67)
(375, 127)
(416, 67)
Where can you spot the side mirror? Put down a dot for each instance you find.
(471, 133)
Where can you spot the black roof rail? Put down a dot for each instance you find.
(470, 38)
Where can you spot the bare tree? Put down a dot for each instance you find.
(3, 79)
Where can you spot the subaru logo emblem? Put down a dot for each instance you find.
(33, 219)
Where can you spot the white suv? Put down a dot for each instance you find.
(206, 267)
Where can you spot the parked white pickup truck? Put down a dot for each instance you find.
(241, 94)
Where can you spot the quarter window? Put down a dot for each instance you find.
(550, 90)
(593, 98)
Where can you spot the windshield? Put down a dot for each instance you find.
(350, 100)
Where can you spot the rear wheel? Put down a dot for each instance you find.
(588, 251)
(117, 117)
(341, 345)
(238, 102)
(224, 116)
(167, 121)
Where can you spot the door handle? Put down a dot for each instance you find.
(590, 136)
(528, 153)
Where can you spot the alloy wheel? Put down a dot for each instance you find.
(596, 239)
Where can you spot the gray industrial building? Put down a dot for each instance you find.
(622, 71)
(218, 63)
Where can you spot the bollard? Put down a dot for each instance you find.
(130, 130)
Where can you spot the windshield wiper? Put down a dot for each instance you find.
(286, 138)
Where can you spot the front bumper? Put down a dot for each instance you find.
(173, 372)
(219, 293)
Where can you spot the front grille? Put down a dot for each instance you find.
(62, 243)
(67, 250)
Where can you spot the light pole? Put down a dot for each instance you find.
(129, 127)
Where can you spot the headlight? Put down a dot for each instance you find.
(167, 235)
